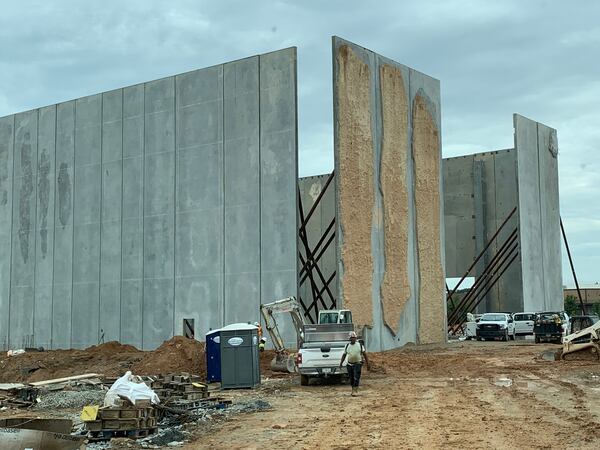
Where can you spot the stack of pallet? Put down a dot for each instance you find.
(180, 387)
(131, 421)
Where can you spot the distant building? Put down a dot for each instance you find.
(590, 295)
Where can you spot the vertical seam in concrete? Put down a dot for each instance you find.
(121, 217)
(175, 154)
(12, 214)
(260, 287)
(35, 224)
(296, 183)
(223, 276)
(73, 217)
(51, 318)
(101, 218)
(143, 246)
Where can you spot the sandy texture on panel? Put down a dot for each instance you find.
(355, 183)
(426, 154)
(395, 290)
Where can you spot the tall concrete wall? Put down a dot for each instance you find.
(389, 197)
(125, 212)
(481, 190)
(539, 215)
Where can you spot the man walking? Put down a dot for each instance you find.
(356, 353)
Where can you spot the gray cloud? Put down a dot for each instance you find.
(538, 58)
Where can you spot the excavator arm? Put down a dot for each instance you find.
(283, 360)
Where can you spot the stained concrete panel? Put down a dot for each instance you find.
(358, 151)
(44, 254)
(6, 198)
(241, 154)
(62, 291)
(23, 229)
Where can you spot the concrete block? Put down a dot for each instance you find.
(6, 197)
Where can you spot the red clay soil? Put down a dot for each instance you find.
(178, 354)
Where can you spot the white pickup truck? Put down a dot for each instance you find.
(323, 346)
(496, 325)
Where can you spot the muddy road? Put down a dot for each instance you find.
(466, 395)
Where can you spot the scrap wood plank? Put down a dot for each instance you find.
(62, 380)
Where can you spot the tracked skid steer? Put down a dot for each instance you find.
(587, 339)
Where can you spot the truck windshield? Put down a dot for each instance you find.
(331, 317)
(493, 317)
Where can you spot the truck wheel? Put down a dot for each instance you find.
(537, 339)
(505, 337)
(303, 380)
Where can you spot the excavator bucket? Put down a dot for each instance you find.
(284, 363)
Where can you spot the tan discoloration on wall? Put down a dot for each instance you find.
(395, 289)
(355, 183)
(426, 155)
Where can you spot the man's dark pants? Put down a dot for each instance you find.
(354, 373)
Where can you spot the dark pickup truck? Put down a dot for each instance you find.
(548, 327)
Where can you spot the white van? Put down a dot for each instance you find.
(524, 322)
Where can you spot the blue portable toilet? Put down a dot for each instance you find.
(213, 356)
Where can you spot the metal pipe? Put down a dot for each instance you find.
(475, 292)
(318, 257)
(482, 252)
(512, 237)
(483, 277)
(331, 224)
(564, 235)
(457, 326)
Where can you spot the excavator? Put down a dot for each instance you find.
(285, 361)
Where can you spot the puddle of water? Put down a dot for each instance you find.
(503, 381)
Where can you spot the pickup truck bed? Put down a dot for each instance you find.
(322, 350)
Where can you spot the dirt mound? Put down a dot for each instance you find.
(178, 354)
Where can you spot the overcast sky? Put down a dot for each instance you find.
(538, 58)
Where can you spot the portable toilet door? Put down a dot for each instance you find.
(240, 363)
(213, 356)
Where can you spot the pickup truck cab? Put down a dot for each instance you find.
(524, 322)
(495, 325)
(321, 351)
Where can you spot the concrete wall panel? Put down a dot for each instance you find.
(62, 292)
(45, 227)
(112, 195)
(530, 229)
(279, 178)
(359, 130)
(132, 231)
(159, 208)
(6, 197)
(23, 229)
(550, 217)
(242, 196)
(199, 193)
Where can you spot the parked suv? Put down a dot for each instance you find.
(524, 322)
(495, 325)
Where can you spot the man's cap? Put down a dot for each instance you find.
(352, 334)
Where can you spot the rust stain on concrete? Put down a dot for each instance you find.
(355, 183)
(395, 289)
(426, 155)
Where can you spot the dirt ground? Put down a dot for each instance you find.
(475, 395)
(468, 395)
